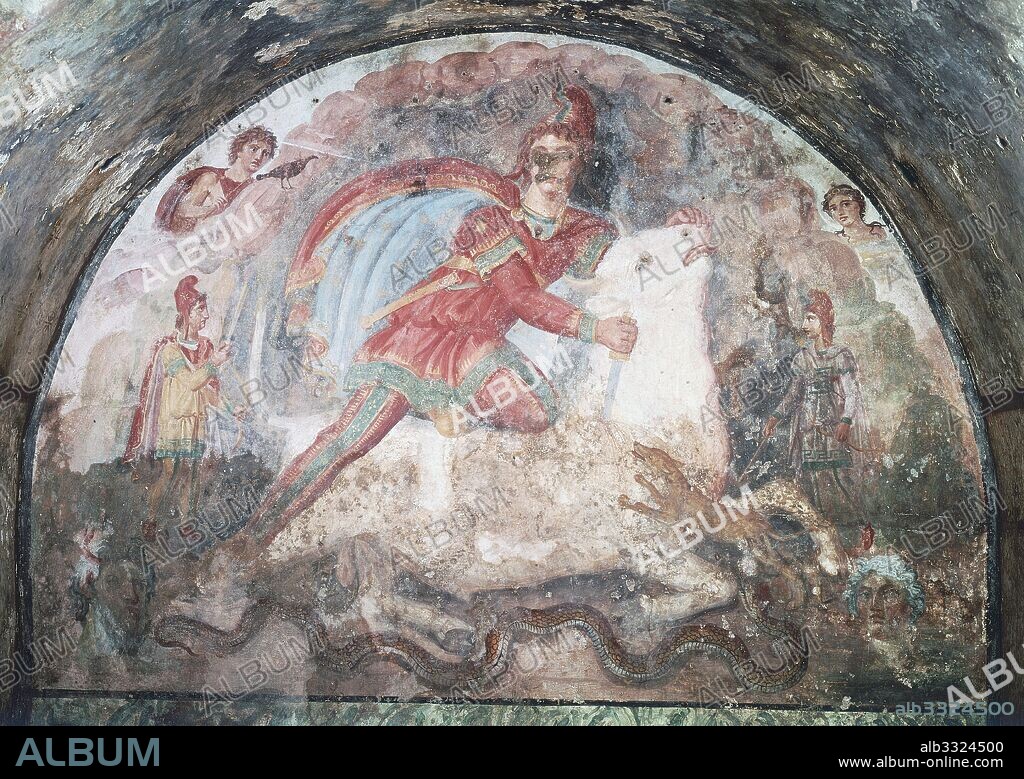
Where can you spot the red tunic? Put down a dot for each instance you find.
(429, 348)
(167, 217)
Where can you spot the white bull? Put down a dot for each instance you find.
(667, 389)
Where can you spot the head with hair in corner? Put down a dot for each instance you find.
(845, 204)
(884, 595)
(251, 148)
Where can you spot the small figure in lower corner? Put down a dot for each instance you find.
(883, 596)
(179, 387)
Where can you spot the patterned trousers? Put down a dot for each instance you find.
(505, 400)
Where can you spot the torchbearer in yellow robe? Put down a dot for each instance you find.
(180, 385)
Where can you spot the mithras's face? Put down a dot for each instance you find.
(554, 165)
(695, 241)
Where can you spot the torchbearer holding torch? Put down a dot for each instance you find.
(824, 403)
(181, 384)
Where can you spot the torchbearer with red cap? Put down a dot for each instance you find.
(180, 385)
(824, 404)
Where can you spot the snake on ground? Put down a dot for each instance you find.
(494, 656)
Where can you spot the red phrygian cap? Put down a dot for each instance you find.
(186, 296)
(820, 304)
(575, 110)
(574, 119)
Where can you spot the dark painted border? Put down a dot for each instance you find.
(24, 692)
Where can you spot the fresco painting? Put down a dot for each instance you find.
(509, 367)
